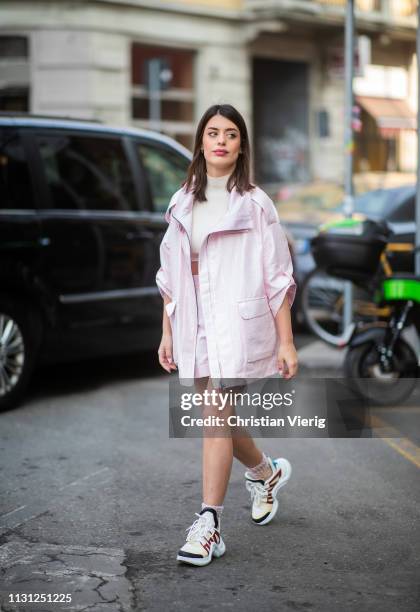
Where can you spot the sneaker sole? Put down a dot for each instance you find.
(286, 471)
(216, 550)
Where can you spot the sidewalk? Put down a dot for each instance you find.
(319, 359)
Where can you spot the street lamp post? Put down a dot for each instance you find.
(348, 143)
(417, 255)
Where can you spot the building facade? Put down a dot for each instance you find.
(279, 62)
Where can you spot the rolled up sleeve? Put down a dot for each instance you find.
(278, 267)
(163, 275)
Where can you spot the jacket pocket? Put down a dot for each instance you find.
(170, 308)
(258, 327)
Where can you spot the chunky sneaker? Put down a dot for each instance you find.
(263, 493)
(203, 539)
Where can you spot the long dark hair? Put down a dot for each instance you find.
(197, 170)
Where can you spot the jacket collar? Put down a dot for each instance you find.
(238, 216)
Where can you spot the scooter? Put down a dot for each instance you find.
(383, 367)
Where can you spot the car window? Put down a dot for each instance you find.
(405, 211)
(375, 204)
(380, 204)
(395, 204)
(166, 170)
(87, 172)
(15, 181)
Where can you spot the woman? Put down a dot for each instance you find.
(225, 274)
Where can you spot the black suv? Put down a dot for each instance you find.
(81, 219)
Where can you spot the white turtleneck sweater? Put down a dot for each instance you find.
(207, 214)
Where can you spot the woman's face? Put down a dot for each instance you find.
(221, 145)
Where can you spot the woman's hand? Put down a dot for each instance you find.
(165, 352)
(287, 356)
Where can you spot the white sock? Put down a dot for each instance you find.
(262, 470)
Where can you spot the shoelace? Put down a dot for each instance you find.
(258, 491)
(199, 528)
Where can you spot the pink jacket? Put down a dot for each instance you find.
(245, 272)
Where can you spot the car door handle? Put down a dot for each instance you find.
(142, 235)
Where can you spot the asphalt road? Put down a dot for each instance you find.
(95, 500)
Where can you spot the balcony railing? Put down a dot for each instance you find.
(391, 10)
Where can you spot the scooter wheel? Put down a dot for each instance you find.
(362, 365)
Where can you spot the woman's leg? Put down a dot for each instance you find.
(204, 538)
(217, 452)
(244, 448)
(220, 445)
(246, 451)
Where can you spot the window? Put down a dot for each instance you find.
(15, 181)
(406, 211)
(173, 111)
(14, 99)
(13, 47)
(87, 172)
(376, 204)
(15, 74)
(166, 171)
(396, 204)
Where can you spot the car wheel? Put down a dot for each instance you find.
(20, 335)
